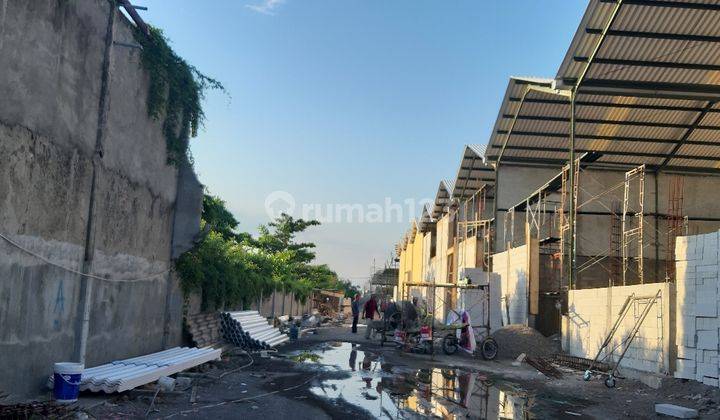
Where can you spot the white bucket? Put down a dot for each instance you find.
(67, 377)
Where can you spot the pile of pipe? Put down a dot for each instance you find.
(249, 330)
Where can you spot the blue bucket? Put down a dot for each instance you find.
(66, 382)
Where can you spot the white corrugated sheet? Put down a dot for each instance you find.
(123, 375)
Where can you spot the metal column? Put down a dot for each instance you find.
(571, 210)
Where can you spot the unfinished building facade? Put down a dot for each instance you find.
(597, 173)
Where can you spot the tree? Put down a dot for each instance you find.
(230, 268)
(350, 289)
(279, 236)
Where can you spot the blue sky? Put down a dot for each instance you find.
(353, 102)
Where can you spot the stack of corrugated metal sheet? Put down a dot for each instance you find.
(123, 375)
(204, 329)
(248, 329)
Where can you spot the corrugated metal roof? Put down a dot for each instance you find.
(442, 198)
(648, 95)
(474, 172)
(426, 221)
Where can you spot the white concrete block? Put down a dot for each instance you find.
(710, 239)
(709, 355)
(707, 340)
(710, 381)
(704, 323)
(676, 411)
(706, 369)
(685, 374)
(707, 267)
(706, 306)
(685, 365)
(686, 353)
(688, 310)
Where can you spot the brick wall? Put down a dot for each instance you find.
(592, 312)
(697, 308)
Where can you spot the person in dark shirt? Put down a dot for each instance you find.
(355, 305)
(369, 311)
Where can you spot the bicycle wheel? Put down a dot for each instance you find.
(489, 348)
(450, 344)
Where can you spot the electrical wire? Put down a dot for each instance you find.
(80, 273)
(221, 403)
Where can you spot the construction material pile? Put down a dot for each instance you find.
(249, 330)
(516, 339)
(123, 375)
(204, 328)
(35, 409)
(326, 309)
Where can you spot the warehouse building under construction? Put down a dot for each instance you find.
(593, 201)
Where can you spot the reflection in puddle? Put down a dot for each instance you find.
(394, 392)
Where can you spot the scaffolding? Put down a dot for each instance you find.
(564, 221)
(632, 222)
(449, 288)
(615, 243)
(473, 223)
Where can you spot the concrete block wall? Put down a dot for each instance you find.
(698, 323)
(592, 313)
(512, 266)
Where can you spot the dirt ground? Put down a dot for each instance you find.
(336, 374)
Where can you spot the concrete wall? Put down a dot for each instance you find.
(49, 120)
(592, 312)
(441, 272)
(285, 304)
(698, 315)
(467, 253)
(518, 270)
(417, 258)
(481, 309)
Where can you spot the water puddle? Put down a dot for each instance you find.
(388, 391)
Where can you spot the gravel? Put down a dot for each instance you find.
(516, 339)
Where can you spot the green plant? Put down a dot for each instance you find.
(230, 269)
(175, 93)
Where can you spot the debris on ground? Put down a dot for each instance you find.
(578, 363)
(516, 339)
(518, 361)
(676, 411)
(46, 409)
(544, 366)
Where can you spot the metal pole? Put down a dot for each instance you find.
(571, 210)
(86, 283)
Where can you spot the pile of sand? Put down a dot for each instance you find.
(515, 339)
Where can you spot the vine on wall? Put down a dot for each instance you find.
(175, 93)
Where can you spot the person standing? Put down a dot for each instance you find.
(369, 314)
(355, 306)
